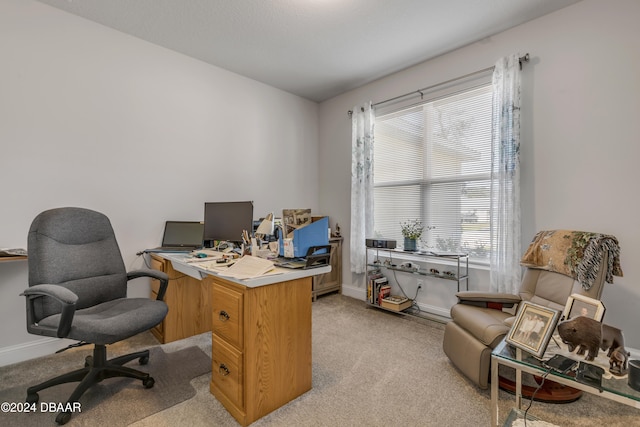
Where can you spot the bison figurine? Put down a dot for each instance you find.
(589, 335)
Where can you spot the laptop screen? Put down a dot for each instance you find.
(183, 233)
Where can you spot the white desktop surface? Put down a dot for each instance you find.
(179, 262)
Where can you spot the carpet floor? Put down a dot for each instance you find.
(116, 401)
(370, 368)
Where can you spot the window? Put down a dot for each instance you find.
(432, 161)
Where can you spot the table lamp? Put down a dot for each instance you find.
(265, 228)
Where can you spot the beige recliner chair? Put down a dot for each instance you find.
(478, 323)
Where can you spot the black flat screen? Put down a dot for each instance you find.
(226, 220)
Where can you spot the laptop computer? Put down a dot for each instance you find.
(181, 236)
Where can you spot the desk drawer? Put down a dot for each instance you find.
(226, 370)
(227, 307)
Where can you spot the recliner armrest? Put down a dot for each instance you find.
(488, 299)
(154, 274)
(66, 298)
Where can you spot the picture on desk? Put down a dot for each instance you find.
(533, 328)
(293, 219)
(580, 305)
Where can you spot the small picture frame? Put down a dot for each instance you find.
(579, 305)
(533, 328)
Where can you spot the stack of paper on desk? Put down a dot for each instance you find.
(12, 252)
(248, 267)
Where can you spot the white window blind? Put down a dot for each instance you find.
(432, 161)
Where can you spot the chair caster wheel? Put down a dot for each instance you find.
(143, 360)
(148, 383)
(88, 361)
(33, 398)
(63, 418)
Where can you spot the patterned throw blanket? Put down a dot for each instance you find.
(576, 254)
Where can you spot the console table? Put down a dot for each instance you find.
(261, 332)
(390, 259)
(454, 266)
(614, 389)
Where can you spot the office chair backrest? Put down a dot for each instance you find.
(75, 248)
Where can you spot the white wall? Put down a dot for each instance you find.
(580, 150)
(92, 117)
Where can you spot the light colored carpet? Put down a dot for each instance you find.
(374, 368)
(122, 399)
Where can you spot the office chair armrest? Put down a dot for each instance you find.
(154, 274)
(64, 296)
(488, 299)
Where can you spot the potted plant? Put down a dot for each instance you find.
(412, 231)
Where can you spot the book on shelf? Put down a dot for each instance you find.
(385, 291)
(377, 286)
(375, 279)
(396, 303)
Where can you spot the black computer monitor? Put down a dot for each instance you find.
(226, 221)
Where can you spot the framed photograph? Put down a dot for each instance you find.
(579, 305)
(293, 219)
(533, 328)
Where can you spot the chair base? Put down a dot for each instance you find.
(550, 392)
(96, 369)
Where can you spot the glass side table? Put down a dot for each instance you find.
(506, 355)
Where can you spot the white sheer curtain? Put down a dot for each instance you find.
(362, 122)
(505, 177)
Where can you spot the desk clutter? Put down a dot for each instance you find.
(249, 266)
(230, 243)
(231, 265)
(302, 231)
(12, 254)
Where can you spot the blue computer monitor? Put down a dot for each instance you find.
(226, 221)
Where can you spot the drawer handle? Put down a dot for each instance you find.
(223, 370)
(223, 316)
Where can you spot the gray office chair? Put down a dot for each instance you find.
(78, 290)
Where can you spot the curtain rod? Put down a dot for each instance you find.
(524, 58)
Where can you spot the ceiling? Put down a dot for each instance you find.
(316, 49)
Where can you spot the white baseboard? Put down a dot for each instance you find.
(354, 292)
(30, 350)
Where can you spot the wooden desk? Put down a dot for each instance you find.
(188, 299)
(261, 333)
